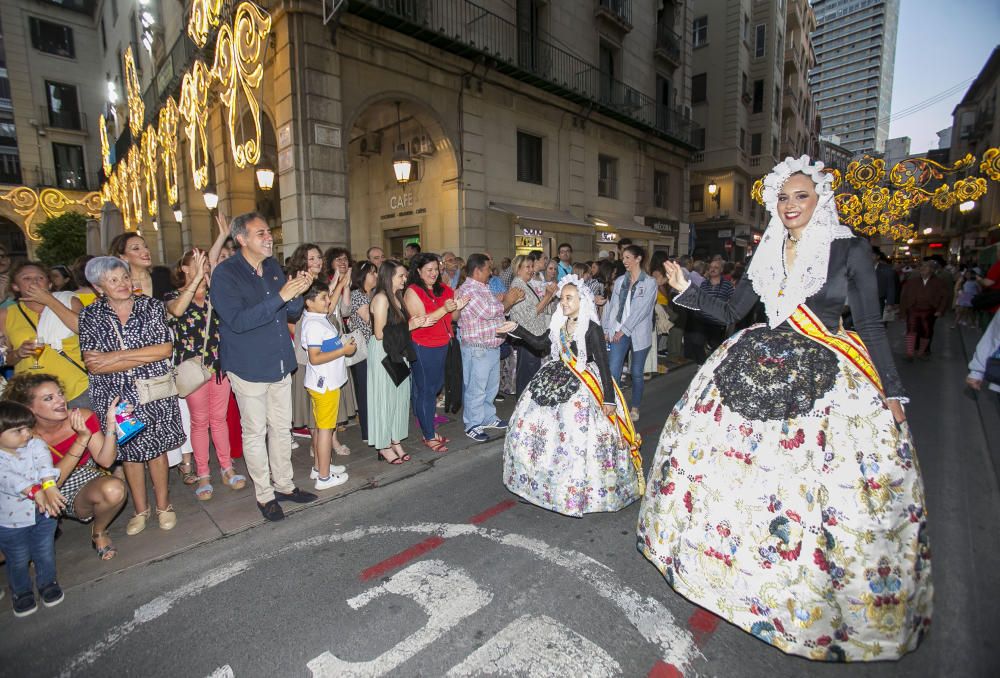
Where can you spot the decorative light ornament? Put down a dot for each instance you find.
(193, 108)
(166, 133)
(239, 52)
(102, 128)
(136, 108)
(149, 167)
(204, 17)
(402, 166)
(53, 202)
(265, 178)
(211, 199)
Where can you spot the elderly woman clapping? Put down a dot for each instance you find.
(125, 340)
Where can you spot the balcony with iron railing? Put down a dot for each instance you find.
(616, 13)
(73, 179)
(668, 45)
(66, 120)
(464, 28)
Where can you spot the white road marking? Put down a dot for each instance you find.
(537, 646)
(153, 610)
(648, 615)
(447, 594)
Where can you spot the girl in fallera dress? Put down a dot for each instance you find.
(785, 495)
(571, 446)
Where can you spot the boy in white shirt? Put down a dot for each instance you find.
(326, 372)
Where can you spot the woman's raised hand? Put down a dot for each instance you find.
(675, 275)
(194, 271)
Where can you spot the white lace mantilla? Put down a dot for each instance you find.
(783, 293)
(588, 313)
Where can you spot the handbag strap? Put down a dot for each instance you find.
(58, 350)
(208, 328)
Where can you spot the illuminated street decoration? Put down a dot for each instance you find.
(25, 202)
(134, 164)
(876, 202)
(194, 109)
(150, 162)
(102, 126)
(166, 133)
(204, 17)
(136, 109)
(238, 69)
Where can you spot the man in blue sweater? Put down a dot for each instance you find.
(254, 303)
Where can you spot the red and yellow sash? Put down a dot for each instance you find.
(621, 418)
(846, 344)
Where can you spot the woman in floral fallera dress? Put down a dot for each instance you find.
(785, 495)
(571, 447)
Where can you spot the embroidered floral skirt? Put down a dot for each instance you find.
(784, 498)
(562, 453)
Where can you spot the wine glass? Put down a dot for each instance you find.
(36, 353)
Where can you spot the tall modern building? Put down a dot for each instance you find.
(855, 44)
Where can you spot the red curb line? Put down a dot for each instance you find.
(663, 670)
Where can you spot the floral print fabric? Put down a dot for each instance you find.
(562, 453)
(189, 334)
(808, 529)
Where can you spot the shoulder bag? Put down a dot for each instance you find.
(150, 389)
(361, 354)
(192, 374)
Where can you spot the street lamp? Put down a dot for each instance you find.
(928, 230)
(178, 214)
(715, 192)
(967, 206)
(265, 178)
(401, 163)
(211, 199)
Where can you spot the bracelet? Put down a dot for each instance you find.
(46, 484)
(33, 490)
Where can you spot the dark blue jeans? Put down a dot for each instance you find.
(22, 545)
(619, 351)
(428, 380)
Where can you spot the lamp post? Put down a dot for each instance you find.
(178, 214)
(716, 193)
(402, 165)
(211, 199)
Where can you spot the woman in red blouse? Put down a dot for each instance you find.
(427, 295)
(80, 452)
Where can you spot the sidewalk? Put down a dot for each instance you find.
(229, 512)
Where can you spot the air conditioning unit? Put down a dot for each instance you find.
(371, 144)
(422, 146)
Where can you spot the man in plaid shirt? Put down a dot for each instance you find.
(478, 322)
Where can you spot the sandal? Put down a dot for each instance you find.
(394, 460)
(235, 481)
(436, 445)
(106, 552)
(400, 452)
(185, 470)
(342, 450)
(203, 492)
(444, 441)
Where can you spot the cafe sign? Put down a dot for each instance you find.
(402, 200)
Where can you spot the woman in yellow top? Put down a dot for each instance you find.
(39, 320)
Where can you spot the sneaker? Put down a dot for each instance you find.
(634, 413)
(24, 604)
(302, 432)
(497, 423)
(477, 434)
(51, 595)
(334, 470)
(332, 480)
(271, 511)
(297, 496)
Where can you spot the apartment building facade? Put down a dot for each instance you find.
(526, 123)
(49, 60)
(749, 94)
(855, 44)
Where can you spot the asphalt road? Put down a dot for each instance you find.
(446, 573)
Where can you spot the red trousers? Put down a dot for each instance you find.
(235, 428)
(919, 330)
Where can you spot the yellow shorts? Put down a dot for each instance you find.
(325, 407)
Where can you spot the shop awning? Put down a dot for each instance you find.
(540, 214)
(632, 227)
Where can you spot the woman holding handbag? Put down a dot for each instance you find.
(127, 349)
(364, 275)
(196, 342)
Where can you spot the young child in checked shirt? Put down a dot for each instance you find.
(29, 504)
(326, 373)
